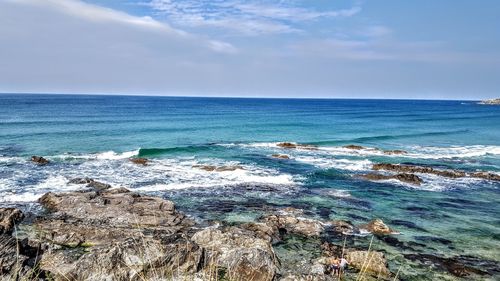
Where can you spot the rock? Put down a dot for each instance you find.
(114, 235)
(485, 175)
(343, 227)
(293, 145)
(395, 152)
(289, 220)
(269, 233)
(354, 147)
(418, 169)
(139, 161)
(211, 168)
(460, 266)
(39, 160)
(403, 177)
(490, 102)
(378, 227)
(280, 156)
(96, 185)
(370, 262)
(9, 217)
(244, 256)
(18, 260)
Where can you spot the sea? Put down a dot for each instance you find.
(96, 135)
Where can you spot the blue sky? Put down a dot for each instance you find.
(326, 48)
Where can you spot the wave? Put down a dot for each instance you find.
(151, 152)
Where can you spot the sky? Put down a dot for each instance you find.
(426, 49)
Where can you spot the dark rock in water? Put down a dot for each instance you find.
(378, 227)
(96, 185)
(357, 217)
(395, 152)
(8, 218)
(211, 168)
(280, 156)
(393, 241)
(139, 161)
(456, 265)
(416, 209)
(404, 177)
(324, 212)
(408, 224)
(429, 170)
(433, 239)
(39, 160)
(343, 227)
(292, 145)
(354, 147)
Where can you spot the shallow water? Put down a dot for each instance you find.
(95, 135)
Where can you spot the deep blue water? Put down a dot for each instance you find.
(95, 135)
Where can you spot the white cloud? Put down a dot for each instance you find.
(244, 17)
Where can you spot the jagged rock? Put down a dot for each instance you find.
(8, 218)
(404, 177)
(485, 175)
(39, 160)
(18, 260)
(280, 156)
(378, 227)
(245, 256)
(139, 161)
(114, 235)
(211, 168)
(291, 221)
(343, 227)
(96, 185)
(267, 232)
(370, 262)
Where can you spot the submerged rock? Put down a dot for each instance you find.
(354, 147)
(139, 161)
(460, 266)
(280, 156)
(395, 152)
(211, 168)
(378, 227)
(39, 160)
(96, 185)
(9, 217)
(240, 252)
(404, 177)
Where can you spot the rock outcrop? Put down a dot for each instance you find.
(139, 161)
(429, 170)
(290, 220)
(212, 168)
(39, 160)
(292, 145)
(91, 183)
(403, 177)
(378, 227)
(369, 262)
(387, 152)
(9, 217)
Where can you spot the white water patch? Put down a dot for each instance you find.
(107, 155)
(341, 164)
(339, 193)
(431, 152)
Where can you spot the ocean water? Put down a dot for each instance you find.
(94, 136)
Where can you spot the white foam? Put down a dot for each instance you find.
(432, 152)
(342, 164)
(339, 193)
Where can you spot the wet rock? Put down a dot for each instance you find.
(394, 242)
(343, 227)
(485, 175)
(96, 185)
(291, 221)
(378, 227)
(280, 156)
(245, 256)
(211, 168)
(292, 145)
(139, 161)
(408, 224)
(404, 177)
(453, 265)
(395, 152)
(39, 160)
(9, 217)
(354, 147)
(370, 262)
(434, 239)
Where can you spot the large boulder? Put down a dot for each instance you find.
(9, 217)
(368, 263)
(291, 221)
(239, 252)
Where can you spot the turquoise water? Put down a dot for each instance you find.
(95, 135)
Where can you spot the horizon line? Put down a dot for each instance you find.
(235, 97)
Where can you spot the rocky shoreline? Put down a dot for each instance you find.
(105, 233)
